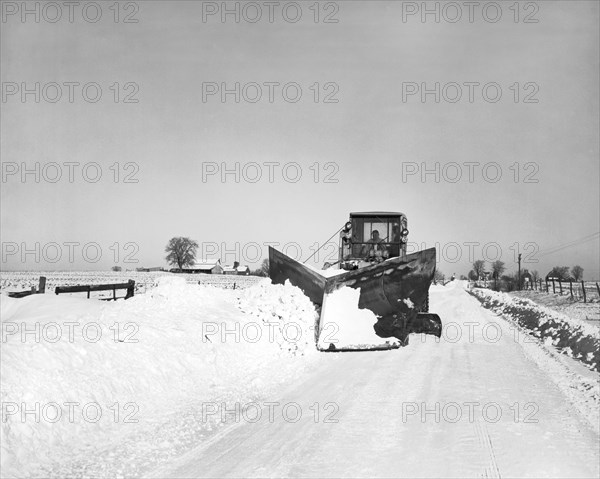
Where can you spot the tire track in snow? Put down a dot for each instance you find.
(485, 442)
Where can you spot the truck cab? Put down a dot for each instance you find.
(372, 237)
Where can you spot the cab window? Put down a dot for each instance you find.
(362, 232)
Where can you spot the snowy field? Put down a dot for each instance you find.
(192, 380)
(589, 311)
(144, 281)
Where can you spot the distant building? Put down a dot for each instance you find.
(236, 269)
(149, 270)
(201, 266)
(243, 270)
(204, 266)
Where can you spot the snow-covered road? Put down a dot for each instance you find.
(473, 404)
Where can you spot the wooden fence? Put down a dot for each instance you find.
(41, 289)
(88, 288)
(575, 289)
(26, 284)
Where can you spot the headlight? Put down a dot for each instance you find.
(347, 226)
(404, 232)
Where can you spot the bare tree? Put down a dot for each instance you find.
(498, 268)
(577, 272)
(264, 268)
(479, 268)
(181, 251)
(535, 275)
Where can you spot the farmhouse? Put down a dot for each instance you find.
(204, 266)
(236, 269)
(243, 270)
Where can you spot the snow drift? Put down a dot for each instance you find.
(79, 376)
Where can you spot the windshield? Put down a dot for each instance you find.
(376, 236)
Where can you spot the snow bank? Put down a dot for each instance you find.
(573, 336)
(79, 376)
(285, 311)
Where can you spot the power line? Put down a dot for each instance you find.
(590, 236)
(570, 244)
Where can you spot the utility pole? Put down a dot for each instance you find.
(519, 285)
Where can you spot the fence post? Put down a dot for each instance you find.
(547, 290)
(553, 287)
(130, 289)
(571, 287)
(560, 285)
(583, 290)
(42, 286)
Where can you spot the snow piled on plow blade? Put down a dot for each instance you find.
(345, 326)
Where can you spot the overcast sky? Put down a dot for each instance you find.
(373, 135)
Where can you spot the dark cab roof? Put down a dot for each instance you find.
(378, 213)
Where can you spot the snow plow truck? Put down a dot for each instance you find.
(375, 295)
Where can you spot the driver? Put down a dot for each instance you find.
(375, 248)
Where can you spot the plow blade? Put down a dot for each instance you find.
(375, 307)
(282, 267)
